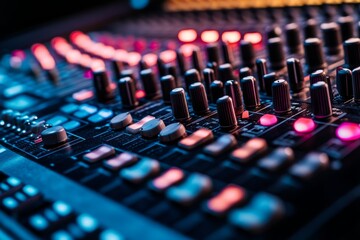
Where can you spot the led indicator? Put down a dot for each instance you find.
(209, 36)
(231, 36)
(254, 38)
(268, 120)
(304, 125)
(187, 35)
(348, 131)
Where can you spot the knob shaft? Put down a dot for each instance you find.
(332, 38)
(281, 96)
(127, 91)
(247, 54)
(226, 113)
(250, 92)
(347, 27)
(268, 80)
(261, 68)
(54, 136)
(228, 54)
(232, 89)
(198, 98)
(167, 83)
(295, 75)
(104, 88)
(216, 90)
(320, 100)
(310, 29)
(352, 53)
(149, 83)
(179, 104)
(344, 83)
(275, 51)
(212, 51)
(226, 72)
(209, 77)
(356, 84)
(191, 76)
(293, 39)
(314, 56)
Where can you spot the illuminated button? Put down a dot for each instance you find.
(101, 115)
(30, 190)
(254, 37)
(167, 179)
(304, 125)
(14, 182)
(62, 208)
(277, 159)
(83, 95)
(190, 190)
(109, 234)
(120, 121)
(120, 161)
(262, 211)
(229, 197)
(187, 35)
(231, 37)
(10, 203)
(61, 235)
(87, 223)
(136, 127)
(99, 154)
(348, 131)
(152, 128)
(309, 165)
(71, 125)
(172, 132)
(38, 222)
(196, 139)
(249, 150)
(141, 171)
(221, 145)
(268, 120)
(69, 108)
(209, 36)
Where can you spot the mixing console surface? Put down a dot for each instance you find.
(230, 131)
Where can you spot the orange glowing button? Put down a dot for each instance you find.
(108, 52)
(99, 154)
(97, 65)
(85, 61)
(168, 56)
(249, 150)
(231, 37)
(120, 55)
(73, 56)
(135, 127)
(209, 36)
(229, 197)
(187, 35)
(196, 139)
(133, 58)
(83, 95)
(150, 59)
(42, 54)
(167, 179)
(254, 38)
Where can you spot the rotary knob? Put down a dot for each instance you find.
(54, 136)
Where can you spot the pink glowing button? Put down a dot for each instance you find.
(231, 36)
(254, 37)
(167, 179)
(209, 36)
(348, 131)
(187, 35)
(304, 125)
(268, 120)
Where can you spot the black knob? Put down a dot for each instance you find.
(127, 91)
(171, 70)
(104, 88)
(273, 31)
(244, 72)
(209, 77)
(268, 81)
(128, 73)
(250, 92)
(212, 51)
(232, 89)
(227, 53)
(226, 113)
(161, 67)
(180, 59)
(215, 67)
(199, 98)
(356, 84)
(197, 59)
(332, 38)
(347, 27)
(143, 65)
(314, 56)
(179, 105)
(293, 39)
(216, 90)
(261, 68)
(310, 29)
(167, 83)
(275, 51)
(149, 83)
(344, 83)
(226, 72)
(295, 75)
(247, 53)
(352, 53)
(318, 76)
(191, 76)
(320, 100)
(281, 96)
(117, 67)
(54, 136)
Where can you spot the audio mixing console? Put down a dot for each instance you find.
(221, 124)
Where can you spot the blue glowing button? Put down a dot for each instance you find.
(262, 211)
(87, 223)
(62, 208)
(99, 153)
(190, 190)
(109, 234)
(61, 235)
(30, 190)
(69, 108)
(101, 116)
(85, 110)
(71, 125)
(10, 203)
(14, 182)
(38, 222)
(20, 103)
(221, 145)
(142, 170)
(57, 120)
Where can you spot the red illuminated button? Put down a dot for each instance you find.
(120, 161)
(187, 35)
(167, 179)
(83, 95)
(229, 197)
(231, 37)
(348, 131)
(99, 154)
(268, 120)
(196, 139)
(136, 127)
(210, 36)
(254, 37)
(249, 150)
(304, 125)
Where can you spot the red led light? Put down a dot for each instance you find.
(97, 65)
(150, 59)
(209, 36)
(254, 38)
(268, 120)
(120, 55)
(83, 95)
(187, 49)
(304, 125)
(187, 35)
(133, 58)
(140, 94)
(231, 36)
(348, 131)
(168, 56)
(73, 56)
